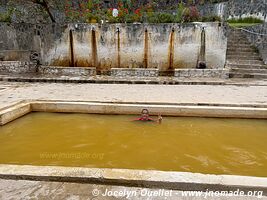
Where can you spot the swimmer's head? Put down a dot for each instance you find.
(145, 113)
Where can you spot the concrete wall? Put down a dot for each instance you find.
(17, 67)
(201, 73)
(123, 72)
(134, 46)
(237, 9)
(63, 71)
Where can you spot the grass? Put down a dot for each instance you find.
(240, 25)
(244, 22)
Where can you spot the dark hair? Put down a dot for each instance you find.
(145, 110)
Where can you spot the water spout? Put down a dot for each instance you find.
(146, 49)
(201, 63)
(171, 51)
(94, 49)
(118, 48)
(71, 61)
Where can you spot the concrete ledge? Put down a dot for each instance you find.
(140, 178)
(138, 72)
(130, 80)
(14, 112)
(168, 110)
(67, 71)
(18, 110)
(201, 73)
(17, 67)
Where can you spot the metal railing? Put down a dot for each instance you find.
(252, 32)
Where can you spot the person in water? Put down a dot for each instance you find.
(145, 117)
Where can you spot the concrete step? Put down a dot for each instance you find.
(248, 71)
(241, 39)
(249, 48)
(241, 51)
(246, 66)
(232, 38)
(237, 53)
(234, 43)
(254, 75)
(239, 46)
(242, 57)
(236, 34)
(248, 62)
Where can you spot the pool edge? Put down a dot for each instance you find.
(185, 181)
(17, 110)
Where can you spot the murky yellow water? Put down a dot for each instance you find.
(216, 146)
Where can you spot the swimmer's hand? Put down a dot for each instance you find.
(160, 119)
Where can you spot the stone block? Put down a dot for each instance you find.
(134, 72)
(67, 71)
(17, 67)
(201, 73)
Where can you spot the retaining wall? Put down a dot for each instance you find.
(123, 72)
(236, 9)
(17, 67)
(161, 46)
(63, 71)
(201, 73)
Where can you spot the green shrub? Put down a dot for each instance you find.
(187, 14)
(180, 12)
(6, 17)
(160, 18)
(248, 20)
(165, 18)
(211, 18)
(152, 17)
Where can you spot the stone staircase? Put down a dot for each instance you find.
(243, 59)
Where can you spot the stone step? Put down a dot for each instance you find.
(236, 53)
(230, 43)
(249, 50)
(238, 43)
(233, 38)
(243, 49)
(239, 46)
(236, 33)
(248, 71)
(231, 35)
(243, 57)
(254, 75)
(237, 36)
(246, 66)
(248, 62)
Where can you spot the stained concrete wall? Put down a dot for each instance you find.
(161, 46)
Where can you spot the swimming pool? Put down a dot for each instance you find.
(190, 144)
